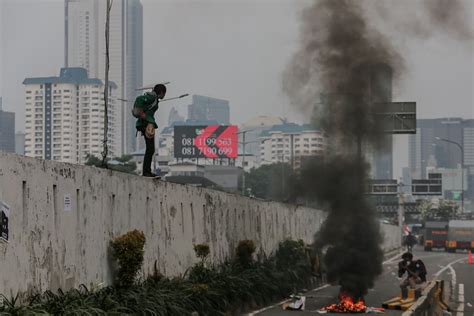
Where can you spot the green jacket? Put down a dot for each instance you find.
(149, 103)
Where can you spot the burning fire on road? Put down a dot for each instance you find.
(346, 304)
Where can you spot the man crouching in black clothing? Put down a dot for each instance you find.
(416, 272)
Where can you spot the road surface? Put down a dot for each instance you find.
(447, 266)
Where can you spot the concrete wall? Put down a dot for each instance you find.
(392, 237)
(52, 246)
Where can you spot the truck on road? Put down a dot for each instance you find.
(460, 235)
(436, 234)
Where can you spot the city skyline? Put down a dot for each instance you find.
(50, 55)
(84, 26)
(186, 48)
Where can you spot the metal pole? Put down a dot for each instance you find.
(282, 176)
(401, 211)
(291, 151)
(243, 162)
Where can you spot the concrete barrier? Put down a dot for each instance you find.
(431, 302)
(63, 216)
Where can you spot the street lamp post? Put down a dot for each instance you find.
(243, 157)
(462, 167)
(243, 143)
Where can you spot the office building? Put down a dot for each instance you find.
(427, 152)
(377, 80)
(206, 108)
(85, 47)
(251, 131)
(7, 130)
(20, 143)
(291, 143)
(174, 117)
(64, 117)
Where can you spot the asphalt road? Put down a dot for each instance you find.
(438, 263)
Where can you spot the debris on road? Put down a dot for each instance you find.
(368, 310)
(297, 303)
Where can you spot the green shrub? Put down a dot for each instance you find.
(209, 289)
(128, 251)
(291, 252)
(200, 273)
(244, 252)
(202, 251)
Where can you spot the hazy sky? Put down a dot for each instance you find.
(235, 50)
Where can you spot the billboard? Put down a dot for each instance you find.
(398, 117)
(205, 141)
(382, 187)
(4, 216)
(431, 186)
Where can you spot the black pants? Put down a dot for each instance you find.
(149, 152)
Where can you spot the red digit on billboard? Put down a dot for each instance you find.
(217, 141)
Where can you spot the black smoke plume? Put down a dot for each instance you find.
(448, 16)
(341, 71)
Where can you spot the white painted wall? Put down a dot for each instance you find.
(50, 247)
(391, 237)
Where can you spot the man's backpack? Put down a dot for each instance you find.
(137, 110)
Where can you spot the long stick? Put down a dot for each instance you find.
(169, 99)
(106, 87)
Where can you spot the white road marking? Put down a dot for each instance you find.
(282, 302)
(393, 258)
(452, 272)
(460, 310)
(437, 274)
(453, 277)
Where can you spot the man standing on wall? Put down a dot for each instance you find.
(144, 109)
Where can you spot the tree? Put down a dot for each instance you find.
(121, 164)
(271, 182)
(445, 211)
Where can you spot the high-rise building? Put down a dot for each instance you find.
(85, 47)
(174, 117)
(252, 130)
(7, 130)
(64, 117)
(378, 82)
(20, 143)
(291, 143)
(373, 89)
(426, 152)
(209, 109)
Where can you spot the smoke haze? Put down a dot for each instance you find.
(343, 70)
